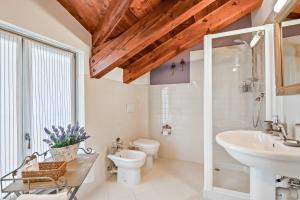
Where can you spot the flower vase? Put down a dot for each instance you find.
(67, 153)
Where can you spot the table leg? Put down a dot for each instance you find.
(73, 194)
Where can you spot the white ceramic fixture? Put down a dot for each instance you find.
(150, 147)
(266, 155)
(129, 165)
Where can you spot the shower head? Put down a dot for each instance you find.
(256, 38)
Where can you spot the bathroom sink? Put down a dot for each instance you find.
(260, 150)
(267, 157)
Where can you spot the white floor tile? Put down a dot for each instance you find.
(168, 180)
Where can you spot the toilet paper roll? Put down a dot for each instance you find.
(166, 132)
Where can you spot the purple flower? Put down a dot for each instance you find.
(47, 141)
(69, 128)
(72, 130)
(62, 130)
(53, 138)
(84, 137)
(62, 137)
(81, 130)
(47, 131)
(55, 129)
(76, 127)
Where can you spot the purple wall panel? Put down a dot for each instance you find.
(164, 74)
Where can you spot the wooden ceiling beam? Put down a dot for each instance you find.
(87, 13)
(192, 35)
(113, 16)
(150, 28)
(295, 14)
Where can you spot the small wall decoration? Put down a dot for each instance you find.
(174, 71)
(182, 62)
(173, 66)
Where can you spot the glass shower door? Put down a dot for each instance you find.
(235, 99)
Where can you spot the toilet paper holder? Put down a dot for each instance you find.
(166, 130)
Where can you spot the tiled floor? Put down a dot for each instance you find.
(232, 179)
(168, 180)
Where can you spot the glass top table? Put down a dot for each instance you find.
(76, 172)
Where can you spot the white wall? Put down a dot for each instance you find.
(105, 100)
(289, 112)
(107, 118)
(184, 115)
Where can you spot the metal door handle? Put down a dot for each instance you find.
(27, 138)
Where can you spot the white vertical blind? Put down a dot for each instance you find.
(50, 89)
(10, 120)
(37, 90)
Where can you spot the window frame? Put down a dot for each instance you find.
(79, 63)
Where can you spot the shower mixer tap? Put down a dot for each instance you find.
(260, 97)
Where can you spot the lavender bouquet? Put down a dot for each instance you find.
(60, 137)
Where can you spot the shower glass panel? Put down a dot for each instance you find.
(238, 100)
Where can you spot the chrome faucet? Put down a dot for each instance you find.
(117, 145)
(279, 128)
(281, 131)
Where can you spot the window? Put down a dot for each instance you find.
(37, 90)
(10, 130)
(50, 87)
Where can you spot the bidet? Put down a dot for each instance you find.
(129, 163)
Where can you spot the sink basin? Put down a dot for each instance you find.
(129, 163)
(260, 150)
(266, 155)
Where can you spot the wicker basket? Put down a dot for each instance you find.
(52, 170)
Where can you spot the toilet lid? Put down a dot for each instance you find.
(146, 143)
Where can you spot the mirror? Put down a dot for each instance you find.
(287, 52)
(291, 54)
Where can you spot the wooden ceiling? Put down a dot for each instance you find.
(295, 14)
(140, 35)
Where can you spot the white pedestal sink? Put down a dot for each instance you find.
(266, 156)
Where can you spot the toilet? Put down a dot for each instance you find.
(150, 147)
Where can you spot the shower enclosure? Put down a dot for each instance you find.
(237, 96)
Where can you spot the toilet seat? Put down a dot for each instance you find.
(146, 143)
